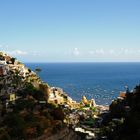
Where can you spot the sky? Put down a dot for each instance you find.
(71, 30)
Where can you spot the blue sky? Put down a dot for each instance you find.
(70, 30)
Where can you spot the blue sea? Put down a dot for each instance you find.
(101, 81)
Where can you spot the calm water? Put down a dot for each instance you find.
(101, 81)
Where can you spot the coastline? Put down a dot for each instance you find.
(41, 111)
(90, 80)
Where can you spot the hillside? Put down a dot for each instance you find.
(32, 110)
(123, 120)
(29, 108)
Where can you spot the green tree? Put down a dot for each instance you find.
(38, 70)
(16, 125)
(13, 60)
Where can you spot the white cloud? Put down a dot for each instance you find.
(114, 53)
(16, 52)
(97, 52)
(130, 51)
(100, 51)
(76, 51)
(127, 51)
(91, 52)
(111, 51)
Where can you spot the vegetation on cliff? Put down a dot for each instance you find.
(24, 109)
(30, 109)
(123, 121)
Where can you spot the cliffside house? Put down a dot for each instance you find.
(55, 95)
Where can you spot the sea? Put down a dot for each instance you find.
(101, 81)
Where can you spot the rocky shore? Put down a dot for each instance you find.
(82, 119)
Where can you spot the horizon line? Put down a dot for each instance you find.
(85, 62)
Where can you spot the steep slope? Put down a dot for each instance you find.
(28, 109)
(123, 121)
